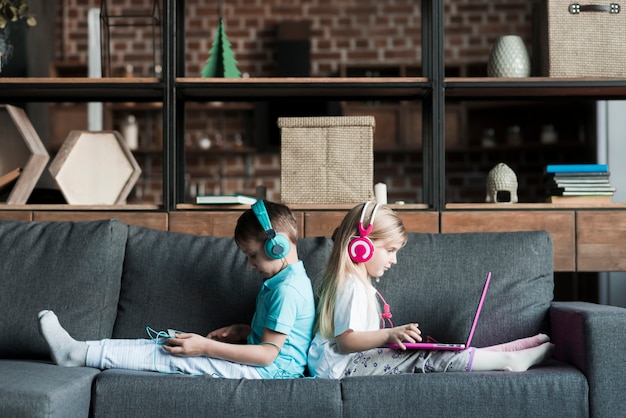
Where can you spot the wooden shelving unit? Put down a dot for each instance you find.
(586, 238)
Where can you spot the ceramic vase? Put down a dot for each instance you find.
(509, 58)
(6, 49)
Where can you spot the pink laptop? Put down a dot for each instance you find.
(428, 345)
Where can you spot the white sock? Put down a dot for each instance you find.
(65, 350)
(515, 361)
(521, 344)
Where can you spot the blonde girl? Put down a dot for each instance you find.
(350, 328)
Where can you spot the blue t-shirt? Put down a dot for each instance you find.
(285, 304)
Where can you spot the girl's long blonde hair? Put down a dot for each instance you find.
(388, 227)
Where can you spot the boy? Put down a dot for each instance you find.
(275, 344)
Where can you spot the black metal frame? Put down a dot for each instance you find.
(108, 21)
(433, 103)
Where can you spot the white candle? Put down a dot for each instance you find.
(380, 192)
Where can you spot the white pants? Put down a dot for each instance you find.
(147, 355)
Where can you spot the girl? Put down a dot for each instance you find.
(348, 340)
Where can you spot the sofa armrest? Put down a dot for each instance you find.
(591, 337)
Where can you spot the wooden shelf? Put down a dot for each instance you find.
(80, 208)
(301, 207)
(135, 107)
(329, 89)
(81, 89)
(535, 88)
(218, 106)
(532, 206)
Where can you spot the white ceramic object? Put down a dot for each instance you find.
(501, 179)
(509, 58)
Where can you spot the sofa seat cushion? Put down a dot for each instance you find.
(73, 268)
(126, 393)
(37, 389)
(438, 280)
(553, 390)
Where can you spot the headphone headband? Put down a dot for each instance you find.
(261, 214)
(276, 245)
(363, 232)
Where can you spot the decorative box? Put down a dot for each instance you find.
(579, 39)
(327, 160)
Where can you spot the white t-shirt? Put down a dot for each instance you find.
(351, 312)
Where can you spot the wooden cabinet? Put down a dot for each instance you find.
(585, 240)
(560, 225)
(601, 240)
(324, 222)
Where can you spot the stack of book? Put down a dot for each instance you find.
(578, 183)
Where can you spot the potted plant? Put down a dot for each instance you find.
(11, 11)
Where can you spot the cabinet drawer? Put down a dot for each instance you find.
(601, 240)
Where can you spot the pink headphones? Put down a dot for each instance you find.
(361, 248)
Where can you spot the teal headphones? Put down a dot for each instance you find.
(276, 245)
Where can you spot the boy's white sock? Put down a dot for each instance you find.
(65, 350)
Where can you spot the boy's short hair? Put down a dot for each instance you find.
(281, 217)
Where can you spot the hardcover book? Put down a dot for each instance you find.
(577, 168)
(225, 199)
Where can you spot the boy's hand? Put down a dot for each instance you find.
(232, 334)
(187, 345)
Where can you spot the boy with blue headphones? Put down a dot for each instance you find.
(274, 345)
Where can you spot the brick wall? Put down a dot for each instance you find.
(342, 33)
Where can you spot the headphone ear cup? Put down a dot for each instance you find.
(277, 247)
(360, 249)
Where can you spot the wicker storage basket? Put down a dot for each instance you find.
(327, 160)
(580, 39)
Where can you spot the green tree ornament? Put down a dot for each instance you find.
(221, 62)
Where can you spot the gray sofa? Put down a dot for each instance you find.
(108, 279)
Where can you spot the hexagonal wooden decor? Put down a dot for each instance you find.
(95, 168)
(21, 150)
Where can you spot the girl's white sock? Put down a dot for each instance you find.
(515, 361)
(521, 344)
(523, 360)
(65, 350)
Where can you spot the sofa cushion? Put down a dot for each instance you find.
(439, 278)
(554, 390)
(32, 389)
(119, 393)
(73, 268)
(191, 283)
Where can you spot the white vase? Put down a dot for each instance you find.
(508, 58)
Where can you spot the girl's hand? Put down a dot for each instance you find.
(232, 334)
(404, 333)
(354, 341)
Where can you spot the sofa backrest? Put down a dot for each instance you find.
(192, 283)
(439, 277)
(73, 268)
(199, 283)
